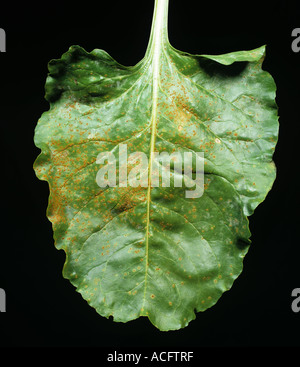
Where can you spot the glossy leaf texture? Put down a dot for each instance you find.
(151, 251)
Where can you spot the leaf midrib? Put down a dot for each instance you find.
(156, 53)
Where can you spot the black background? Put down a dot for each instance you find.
(43, 308)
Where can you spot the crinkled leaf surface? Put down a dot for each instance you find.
(150, 251)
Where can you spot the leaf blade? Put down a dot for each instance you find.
(136, 251)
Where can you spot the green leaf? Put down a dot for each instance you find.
(152, 251)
